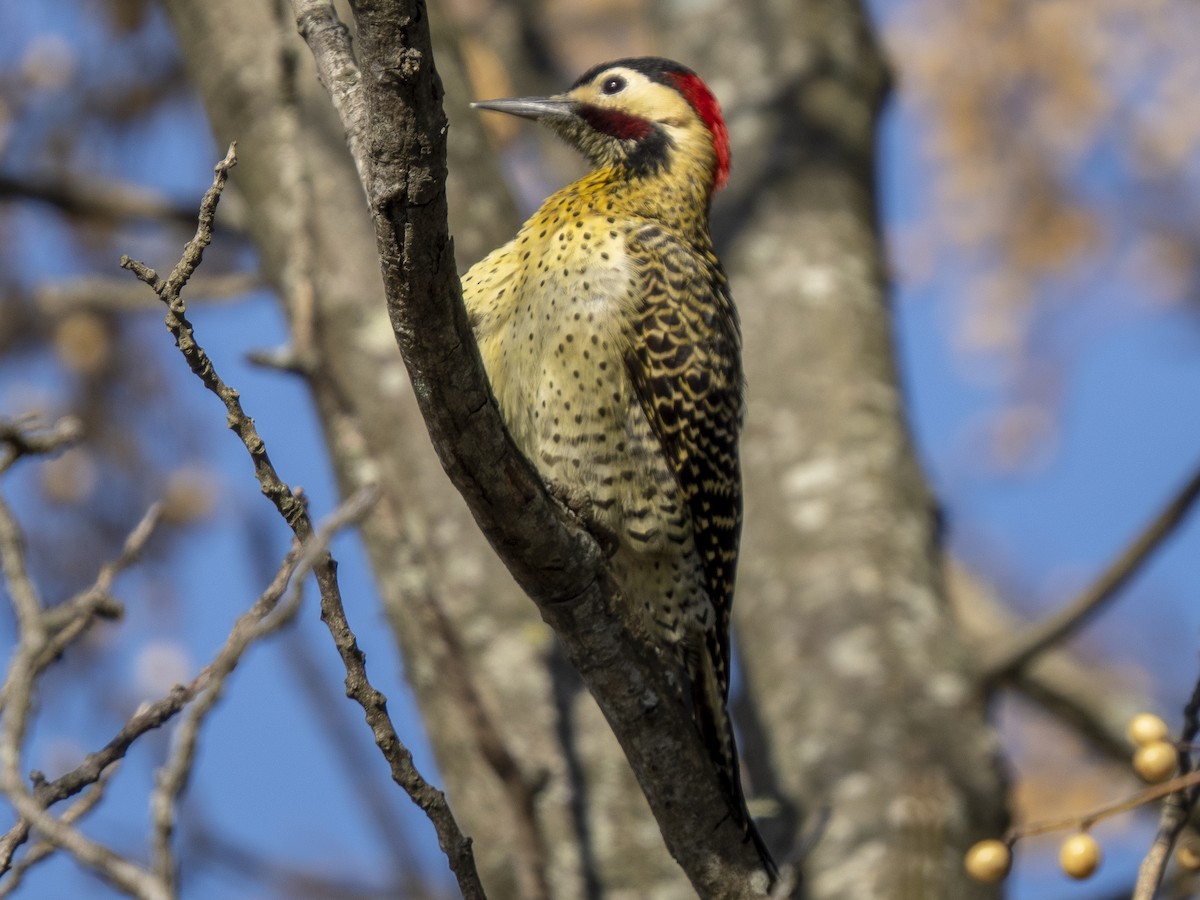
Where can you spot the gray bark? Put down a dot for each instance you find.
(301, 191)
(864, 703)
(864, 696)
(552, 557)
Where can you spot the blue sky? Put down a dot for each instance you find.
(1127, 439)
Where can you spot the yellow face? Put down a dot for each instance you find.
(642, 117)
(628, 91)
(626, 116)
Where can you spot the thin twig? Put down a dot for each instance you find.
(319, 25)
(94, 765)
(18, 691)
(78, 195)
(264, 617)
(120, 872)
(69, 620)
(1175, 812)
(63, 624)
(19, 439)
(43, 636)
(355, 760)
(1083, 821)
(172, 778)
(292, 508)
(1032, 641)
(44, 849)
(27, 604)
(104, 294)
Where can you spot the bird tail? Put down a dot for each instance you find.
(711, 714)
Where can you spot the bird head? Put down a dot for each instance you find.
(644, 116)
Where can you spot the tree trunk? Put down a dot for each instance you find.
(868, 712)
(309, 220)
(864, 705)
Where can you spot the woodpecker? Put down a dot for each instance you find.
(613, 348)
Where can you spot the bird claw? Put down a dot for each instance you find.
(578, 503)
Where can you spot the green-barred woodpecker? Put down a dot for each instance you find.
(612, 344)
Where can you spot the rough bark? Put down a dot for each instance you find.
(558, 563)
(866, 702)
(308, 217)
(863, 695)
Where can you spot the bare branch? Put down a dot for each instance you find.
(264, 617)
(292, 508)
(99, 293)
(63, 624)
(556, 561)
(173, 776)
(71, 619)
(18, 693)
(329, 39)
(114, 868)
(1177, 809)
(27, 604)
(254, 625)
(98, 198)
(54, 631)
(20, 439)
(43, 849)
(1083, 821)
(1080, 695)
(1028, 644)
(94, 765)
(355, 759)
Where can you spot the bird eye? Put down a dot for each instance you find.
(613, 84)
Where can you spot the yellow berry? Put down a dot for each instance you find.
(1155, 762)
(1080, 856)
(988, 861)
(1146, 728)
(1188, 856)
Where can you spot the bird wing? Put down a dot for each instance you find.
(685, 364)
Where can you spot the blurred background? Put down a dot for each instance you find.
(1038, 182)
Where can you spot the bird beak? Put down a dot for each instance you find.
(531, 107)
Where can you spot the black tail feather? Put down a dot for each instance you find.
(711, 715)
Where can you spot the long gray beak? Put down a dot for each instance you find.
(530, 107)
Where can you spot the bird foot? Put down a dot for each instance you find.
(579, 504)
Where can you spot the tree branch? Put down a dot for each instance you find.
(45, 635)
(43, 849)
(42, 635)
(1176, 811)
(267, 615)
(292, 508)
(1032, 641)
(21, 439)
(102, 199)
(1080, 695)
(560, 565)
(95, 765)
(101, 293)
(337, 69)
